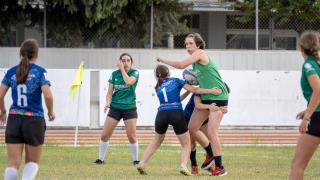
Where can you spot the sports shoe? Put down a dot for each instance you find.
(219, 171)
(195, 170)
(209, 160)
(99, 162)
(141, 169)
(185, 171)
(135, 163)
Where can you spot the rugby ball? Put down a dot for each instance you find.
(190, 77)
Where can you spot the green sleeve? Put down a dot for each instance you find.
(309, 69)
(135, 74)
(111, 81)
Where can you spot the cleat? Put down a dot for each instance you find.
(219, 171)
(195, 170)
(135, 163)
(211, 168)
(99, 162)
(185, 171)
(141, 169)
(209, 160)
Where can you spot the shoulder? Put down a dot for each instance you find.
(116, 72)
(199, 52)
(39, 68)
(134, 71)
(309, 64)
(12, 70)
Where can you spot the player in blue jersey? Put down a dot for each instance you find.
(25, 125)
(170, 113)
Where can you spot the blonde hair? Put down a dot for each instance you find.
(310, 44)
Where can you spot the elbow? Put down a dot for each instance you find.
(181, 66)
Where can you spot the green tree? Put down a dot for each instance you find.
(72, 23)
(287, 14)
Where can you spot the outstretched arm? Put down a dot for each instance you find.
(198, 55)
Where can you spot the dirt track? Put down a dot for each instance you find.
(92, 137)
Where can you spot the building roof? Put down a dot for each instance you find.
(209, 5)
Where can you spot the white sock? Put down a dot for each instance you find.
(135, 151)
(183, 166)
(103, 146)
(10, 173)
(30, 171)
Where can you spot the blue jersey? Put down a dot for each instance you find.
(26, 97)
(169, 93)
(188, 110)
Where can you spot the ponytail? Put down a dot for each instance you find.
(28, 51)
(159, 82)
(161, 72)
(23, 70)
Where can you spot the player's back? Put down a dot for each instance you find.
(27, 97)
(169, 93)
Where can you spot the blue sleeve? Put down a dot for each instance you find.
(6, 79)
(181, 82)
(43, 78)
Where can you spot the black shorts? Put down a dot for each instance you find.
(174, 118)
(219, 103)
(188, 120)
(119, 114)
(25, 130)
(314, 125)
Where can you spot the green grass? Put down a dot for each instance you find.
(249, 162)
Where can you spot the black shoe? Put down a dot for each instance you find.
(135, 162)
(99, 162)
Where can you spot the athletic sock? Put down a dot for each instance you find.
(135, 151)
(193, 158)
(30, 171)
(10, 173)
(209, 150)
(218, 161)
(103, 146)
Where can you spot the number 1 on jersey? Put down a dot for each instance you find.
(164, 94)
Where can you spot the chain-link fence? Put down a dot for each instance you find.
(221, 30)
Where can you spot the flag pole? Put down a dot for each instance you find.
(77, 119)
(76, 86)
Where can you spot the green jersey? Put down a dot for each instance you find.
(124, 96)
(209, 77)
(309, 67)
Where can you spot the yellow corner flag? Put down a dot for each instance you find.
(77, 80)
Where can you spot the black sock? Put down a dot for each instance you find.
(209, 150)
(193, 158)
(218, 161)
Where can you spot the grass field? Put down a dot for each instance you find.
(249, 162)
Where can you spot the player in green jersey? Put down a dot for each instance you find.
(208, 77)
(309, 128)
(121, 104)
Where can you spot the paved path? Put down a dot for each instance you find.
(92, 137)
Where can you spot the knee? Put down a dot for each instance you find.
(132, 139)
(104, 138)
